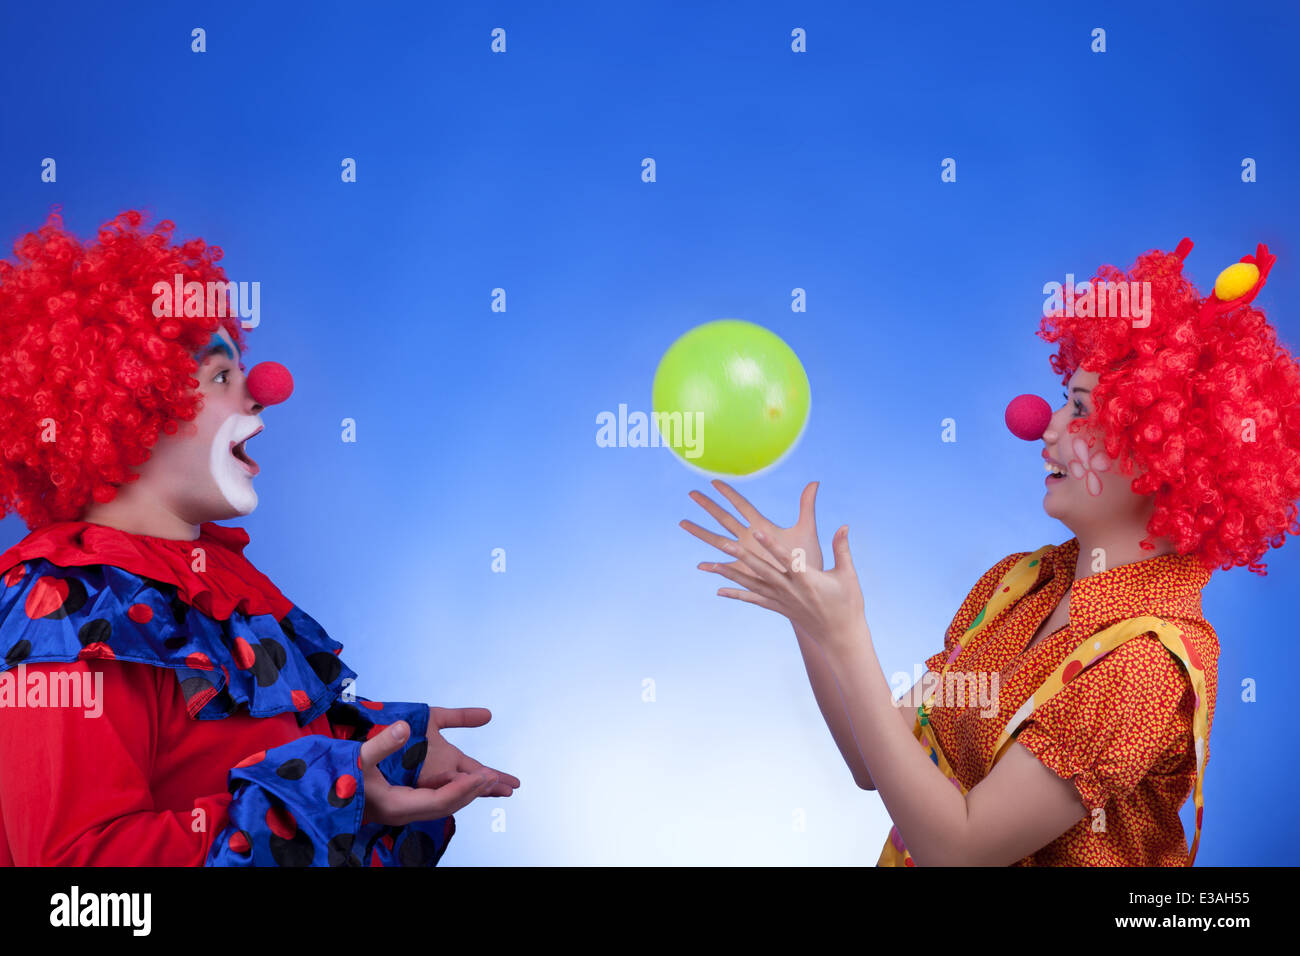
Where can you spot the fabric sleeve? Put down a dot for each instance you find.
(1126, 716)
(299, 804)
(416, 844)
(83, 796)
(361, 719)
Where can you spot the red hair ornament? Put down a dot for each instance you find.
(1027, 416)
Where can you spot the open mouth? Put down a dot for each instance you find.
(241, 454)
(1054, 471)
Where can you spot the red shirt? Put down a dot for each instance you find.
(119, 789)
(134, 777)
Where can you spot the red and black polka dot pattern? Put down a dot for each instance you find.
(416, 844)
(300, 804)
(269, 666)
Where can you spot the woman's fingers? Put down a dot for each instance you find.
(720, 514)
(717, 540)
(843, 556)
(779, 551)
(705, 535)
(808, 504)
(734, 573)
(750, 597)
(765, 568)
(741, 503)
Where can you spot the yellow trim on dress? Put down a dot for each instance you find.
(1010, 589)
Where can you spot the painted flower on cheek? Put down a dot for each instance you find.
(1081, 466)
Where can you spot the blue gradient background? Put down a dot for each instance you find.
(476, 430)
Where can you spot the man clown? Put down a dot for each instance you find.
(161, 702)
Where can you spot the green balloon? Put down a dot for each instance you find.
(730, 397)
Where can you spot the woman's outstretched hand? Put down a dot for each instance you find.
(781, 569)
(800, 537)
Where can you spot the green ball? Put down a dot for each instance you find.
(741, 387)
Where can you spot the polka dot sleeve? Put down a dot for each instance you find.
(360, 719)
(1126, 716)
(423, 842)
(299, 804)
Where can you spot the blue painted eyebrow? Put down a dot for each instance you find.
(215, 344)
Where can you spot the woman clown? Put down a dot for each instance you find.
(1175, 452)
(163, 702)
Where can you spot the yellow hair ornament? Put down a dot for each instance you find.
(1235, 281)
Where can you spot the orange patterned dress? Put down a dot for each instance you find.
(1122, 731)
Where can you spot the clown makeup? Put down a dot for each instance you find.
(231, 468)
(206, 467)
(219, 343)
(1084, 463)
(1085, 488)
(200, 472)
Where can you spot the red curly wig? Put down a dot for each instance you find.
(1205, 400)
(89, 376)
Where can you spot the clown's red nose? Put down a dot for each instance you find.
(270, 383)
(1028, 417)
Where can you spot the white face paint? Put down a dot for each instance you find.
(234, 477)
